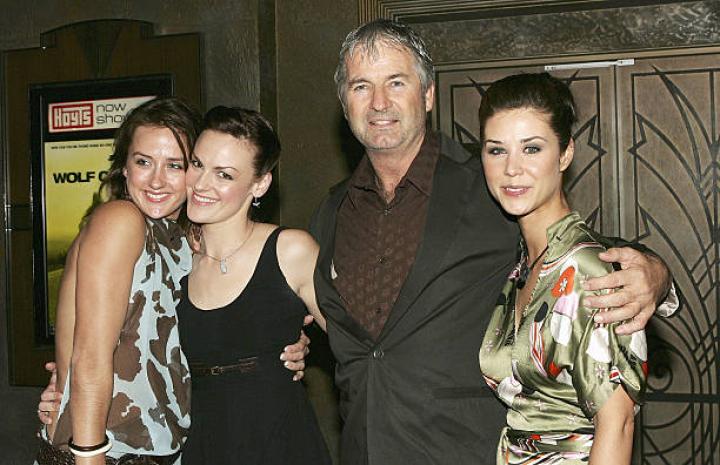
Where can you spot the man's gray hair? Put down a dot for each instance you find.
(384, 31)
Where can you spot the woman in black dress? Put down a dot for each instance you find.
(250, 287)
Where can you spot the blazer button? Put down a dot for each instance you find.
(378, 354)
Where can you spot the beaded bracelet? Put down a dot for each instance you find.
(90, 451)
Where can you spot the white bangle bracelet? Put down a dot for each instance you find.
(91, 451)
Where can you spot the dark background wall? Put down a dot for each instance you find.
(243, 42)
(278, 56)
(231, 74)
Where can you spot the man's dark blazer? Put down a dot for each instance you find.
(416, 395)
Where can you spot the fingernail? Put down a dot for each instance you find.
(286, 364)
(282, 356)
(598, 319)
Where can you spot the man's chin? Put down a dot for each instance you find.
(380, 144)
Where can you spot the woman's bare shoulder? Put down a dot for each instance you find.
(296, 244)
(119, 221)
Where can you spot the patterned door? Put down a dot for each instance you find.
(590, 185)
(647, 166)
(669, 169)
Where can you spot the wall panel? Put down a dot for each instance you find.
(670, 186)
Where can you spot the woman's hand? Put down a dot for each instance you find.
(294, 355)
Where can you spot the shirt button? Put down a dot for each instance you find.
(382, 260)
(386, 211)
(378, 354)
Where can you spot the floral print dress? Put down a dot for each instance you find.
(556, 373)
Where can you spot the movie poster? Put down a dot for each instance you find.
(74, 144)
(73, 171)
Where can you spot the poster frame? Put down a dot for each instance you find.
(41, 97)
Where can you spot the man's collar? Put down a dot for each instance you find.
(364, 175)
(421, 171)
(419, 174)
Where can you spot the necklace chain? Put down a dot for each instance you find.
(526, 270)
(524, 274)
(223, 260)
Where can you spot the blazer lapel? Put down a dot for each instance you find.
(451, 188)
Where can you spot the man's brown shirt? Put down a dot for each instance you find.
(376, 241)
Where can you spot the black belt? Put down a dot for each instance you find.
(244, 365)
(135, 459)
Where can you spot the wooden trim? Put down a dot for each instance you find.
(575, 57)
(419, 11)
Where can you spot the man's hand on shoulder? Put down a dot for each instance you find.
(642, 282)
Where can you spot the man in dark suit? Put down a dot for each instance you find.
(413, 254)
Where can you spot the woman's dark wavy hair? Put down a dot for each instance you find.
(244, 124)
(162, 112)
(538, 91)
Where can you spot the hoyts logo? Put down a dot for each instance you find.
(71, 116)
(91, 115)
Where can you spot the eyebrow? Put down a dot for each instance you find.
(527, 139)
(388, 78)
(216, 168)
(222, 168)
(352, 82)
(531, 138)
(141, 154)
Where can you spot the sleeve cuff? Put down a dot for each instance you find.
(670, 304)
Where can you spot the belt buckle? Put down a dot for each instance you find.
(216, 370)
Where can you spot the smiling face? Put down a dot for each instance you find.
(523, 163)
(221, 181)
(155, 172)
(384, 101)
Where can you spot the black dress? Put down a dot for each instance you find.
(255, 415)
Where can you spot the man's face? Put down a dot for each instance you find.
(384, 101)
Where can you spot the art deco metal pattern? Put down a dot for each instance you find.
(589, 185)
(647, 167)
(670, 193)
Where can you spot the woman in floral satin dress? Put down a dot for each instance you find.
(571, 386)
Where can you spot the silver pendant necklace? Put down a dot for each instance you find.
(223, 260)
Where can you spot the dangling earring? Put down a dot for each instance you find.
(256, 202)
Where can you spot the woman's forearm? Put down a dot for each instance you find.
(90, 395)
(614, 428)
(612, 444)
